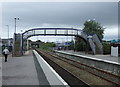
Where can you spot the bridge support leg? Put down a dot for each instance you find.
(17, 45)
(86, 48)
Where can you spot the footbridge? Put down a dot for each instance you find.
(93, 40)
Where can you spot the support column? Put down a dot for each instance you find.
(17, 45)
(27, 45)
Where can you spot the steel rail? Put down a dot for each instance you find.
(76, 63)
(68, 72)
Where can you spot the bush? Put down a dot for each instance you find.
(106, 48)
(47, 46)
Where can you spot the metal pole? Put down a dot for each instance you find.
(27, 44)
(15, 23)
(74, 44)
(37, 38)
(93, 25)
(8, 30)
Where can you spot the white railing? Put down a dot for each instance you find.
(93, 41)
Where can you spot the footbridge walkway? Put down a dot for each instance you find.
(91, 40)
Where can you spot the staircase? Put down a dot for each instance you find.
(98, 44)
(94, 43)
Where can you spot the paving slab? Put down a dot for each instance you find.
(19, 71)
(103, 57)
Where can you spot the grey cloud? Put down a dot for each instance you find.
(60, 13)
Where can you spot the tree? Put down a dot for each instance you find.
(49, 44)
(72, 45)
(80, 44)
(93, 27)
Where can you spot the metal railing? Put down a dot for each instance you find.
(98, 43)
(92, 45)
(93, 41)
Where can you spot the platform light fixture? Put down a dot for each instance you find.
(15, 23)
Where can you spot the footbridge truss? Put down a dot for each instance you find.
(93, 41)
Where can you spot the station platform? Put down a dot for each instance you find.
(106, 58)
(23, 71)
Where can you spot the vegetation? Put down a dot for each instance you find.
(47, 46)
(93, 27)
(106, 48)
(90, 27)
(72, 45)
(80, 44)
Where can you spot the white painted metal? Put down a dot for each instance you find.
(114, 51)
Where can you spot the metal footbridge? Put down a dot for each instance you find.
(93, 40)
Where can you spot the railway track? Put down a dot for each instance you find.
(109, 77)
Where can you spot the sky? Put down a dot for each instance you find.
(59, 14)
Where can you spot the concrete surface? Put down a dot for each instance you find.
(103, 57)
(51, 75)
(19, 71)
(99, 61)
(29, 70)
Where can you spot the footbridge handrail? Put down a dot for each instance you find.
(51, 31)
(60, 32)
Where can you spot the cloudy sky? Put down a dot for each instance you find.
(59, 14)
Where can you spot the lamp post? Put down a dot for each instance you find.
(15, 23)
(8, 30)
(93, 25)
(21, 31)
